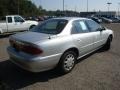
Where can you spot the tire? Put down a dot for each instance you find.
(67, 62)
(107, 44)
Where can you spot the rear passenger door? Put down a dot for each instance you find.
(82, 37)
(10, 24)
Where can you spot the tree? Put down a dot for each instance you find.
(23, 7)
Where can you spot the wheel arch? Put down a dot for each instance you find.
(111, 37)
(74, 49)
(31, 26)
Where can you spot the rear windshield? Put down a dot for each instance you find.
(53, 26)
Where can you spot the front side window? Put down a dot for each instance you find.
(79, 27)
(18, 19)
(93, 26)
(53, 26)
(9, 19)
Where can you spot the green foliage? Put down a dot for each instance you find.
(27, 8)
(22, 7)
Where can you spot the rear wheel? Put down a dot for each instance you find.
(67, 62)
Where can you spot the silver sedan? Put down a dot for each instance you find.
(58, 42)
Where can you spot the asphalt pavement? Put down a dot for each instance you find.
(97, 71)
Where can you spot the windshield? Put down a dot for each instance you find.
(53, 26)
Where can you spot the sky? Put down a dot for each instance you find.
(78, 5)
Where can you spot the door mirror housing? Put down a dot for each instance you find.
(101, 29)
(22, 21)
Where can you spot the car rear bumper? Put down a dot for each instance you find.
(33, 64)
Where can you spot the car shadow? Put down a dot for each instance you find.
(11, 33)
(87, 56)
(5, 35)
(17, 78)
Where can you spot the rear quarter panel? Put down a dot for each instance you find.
(3, 27)
(57, 45)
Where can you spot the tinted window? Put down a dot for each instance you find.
(53, 26)
(18, 19)
(79, 27)
(9, 19)
(93, 26)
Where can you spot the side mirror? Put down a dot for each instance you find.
(22, 21)
(101, 29)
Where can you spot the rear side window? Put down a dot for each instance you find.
(79, 27)
(93, 26)
(9, 19)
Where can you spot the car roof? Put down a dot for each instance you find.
(11, 15)
(72, 18)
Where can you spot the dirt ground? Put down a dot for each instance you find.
(98, 71)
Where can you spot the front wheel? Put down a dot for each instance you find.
(67, 62)
(107, 44)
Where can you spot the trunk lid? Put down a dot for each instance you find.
(31, 37)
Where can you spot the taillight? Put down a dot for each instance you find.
(31, 50)
(27, 48)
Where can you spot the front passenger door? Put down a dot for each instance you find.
(20, 24)
(98, 35)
